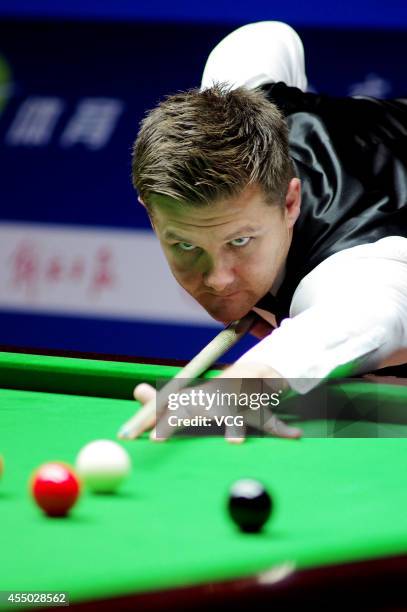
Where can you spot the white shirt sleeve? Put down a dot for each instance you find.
(350, 310)
(257, 54)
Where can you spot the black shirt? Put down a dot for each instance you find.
(351, 157)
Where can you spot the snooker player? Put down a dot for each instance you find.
(265, 197)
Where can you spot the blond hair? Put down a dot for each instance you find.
(198, 147)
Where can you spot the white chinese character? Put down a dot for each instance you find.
(34, 122)
(93, 123)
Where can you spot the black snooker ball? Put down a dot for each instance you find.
(249, 505)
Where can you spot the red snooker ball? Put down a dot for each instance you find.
(55, 487)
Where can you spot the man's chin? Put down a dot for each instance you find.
(227, 315)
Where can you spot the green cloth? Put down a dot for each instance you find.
(336, 499)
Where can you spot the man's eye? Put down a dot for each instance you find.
(240, 242)
(185, 246)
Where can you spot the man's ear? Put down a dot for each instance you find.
(293, 201)
(141, 201)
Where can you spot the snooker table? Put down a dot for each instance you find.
(338, 532)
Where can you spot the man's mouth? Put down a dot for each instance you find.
(227, 295)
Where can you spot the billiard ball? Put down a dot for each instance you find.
(103, 465)
(55, 487)
(249, 505)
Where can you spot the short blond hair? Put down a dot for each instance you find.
(198, 147)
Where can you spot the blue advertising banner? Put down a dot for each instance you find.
(347, 13)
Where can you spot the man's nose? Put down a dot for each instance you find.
(219, 275)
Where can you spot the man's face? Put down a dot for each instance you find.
(230, 254)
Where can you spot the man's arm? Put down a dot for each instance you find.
(351, 310)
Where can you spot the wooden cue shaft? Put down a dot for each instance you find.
(201, 362)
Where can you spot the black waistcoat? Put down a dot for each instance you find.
(351, 157)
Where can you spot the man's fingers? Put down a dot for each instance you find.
(145, 417)
(270, 424)
(235, 433)
(144, 393)
(235, 437)
(278, 428)
(168, 424)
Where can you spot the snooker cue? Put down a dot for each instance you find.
(201, 362)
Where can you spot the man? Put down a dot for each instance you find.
(292, 204)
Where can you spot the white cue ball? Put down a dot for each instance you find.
(103, 465)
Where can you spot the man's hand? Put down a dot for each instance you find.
(270, 424)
